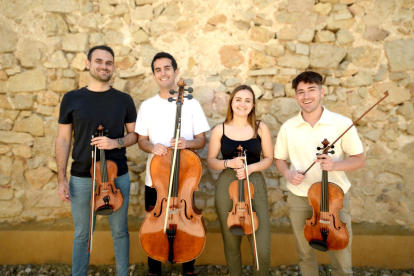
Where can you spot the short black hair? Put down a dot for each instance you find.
(307, 77)
(164, 55)
(100, 47)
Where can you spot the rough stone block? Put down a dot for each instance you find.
(62, 6)
(38, 177)
(400, 54)
(231, 56)
(275, 50)
(21, 101)
(360, 79)
(57, 60)
(293, 61)
(324, 36)
(375, 34)
(55, 25)
(75, 42)
(10, 137)
(325, 56)
(32, 80)
(262, 72)
(10, 209)
(302, 49)
(63, 85)
(143, 12)
(343, 37)
(261, 34)
(217, 19)
(9, 38)
(34, 125)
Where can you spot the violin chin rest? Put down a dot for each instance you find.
(236, 230)
(104, 211)
(319, 245)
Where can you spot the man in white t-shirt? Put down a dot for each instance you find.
(297, 141)
(155, 126)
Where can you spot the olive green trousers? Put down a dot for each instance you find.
(232, 242)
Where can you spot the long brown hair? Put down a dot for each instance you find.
(251, 118)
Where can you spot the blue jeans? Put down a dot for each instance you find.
(80, 193)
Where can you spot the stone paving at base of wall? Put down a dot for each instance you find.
(175, 270)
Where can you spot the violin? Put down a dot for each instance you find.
(105, 197)
(242, 220)
(325, 231)
(173, 230)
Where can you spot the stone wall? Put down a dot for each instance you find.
(361, 47)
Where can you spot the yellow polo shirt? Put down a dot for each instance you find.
(298, 142)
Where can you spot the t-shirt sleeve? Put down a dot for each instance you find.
(65, 112)
(351, 144)
(200, 123)
(142, 124)
(131, 115)
(281, 149)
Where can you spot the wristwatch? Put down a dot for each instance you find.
(120, 142)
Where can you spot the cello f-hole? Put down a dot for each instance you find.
(162, 202)
(185, 210)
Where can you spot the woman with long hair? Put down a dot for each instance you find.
(242, 128)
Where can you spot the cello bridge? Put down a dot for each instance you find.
(324, 221)
(173, 211)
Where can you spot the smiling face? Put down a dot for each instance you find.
(309, 96)
(101, 67)
(164, 73)
(242, 103)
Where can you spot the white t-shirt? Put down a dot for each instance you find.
(298, 141)
(156, 119)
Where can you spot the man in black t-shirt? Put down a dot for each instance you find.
(81, 112)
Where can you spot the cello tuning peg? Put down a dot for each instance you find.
(189, 90)
(318, 154)
(171, 100)
(172, 92)
(319, 148)
(332, 147)
(331, 152)
(189, 97)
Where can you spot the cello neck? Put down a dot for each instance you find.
(324, 192)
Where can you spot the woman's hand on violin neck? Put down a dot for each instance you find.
(236, 163)
(63, 190)
(326, 161)
(106, 143)
(159, 149)
(182, 143)
(240, 173)
(295, 177)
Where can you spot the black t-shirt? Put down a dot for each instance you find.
(86, 110)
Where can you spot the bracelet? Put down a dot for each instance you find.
(225, 164)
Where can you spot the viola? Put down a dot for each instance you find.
(173, 230)
(242, 220)
(105, 197)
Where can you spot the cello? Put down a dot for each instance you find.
(325, 231)
(242, 220)
(105, 197)
(173, 230)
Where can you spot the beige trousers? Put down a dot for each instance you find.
(341, 261)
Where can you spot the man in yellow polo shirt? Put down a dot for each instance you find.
(297, 141)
